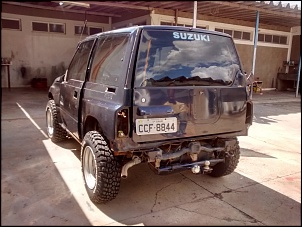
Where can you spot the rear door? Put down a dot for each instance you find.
(71, 87)
(186, 85)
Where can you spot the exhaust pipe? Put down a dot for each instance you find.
(135, 160)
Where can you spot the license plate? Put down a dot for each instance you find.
(156, 125)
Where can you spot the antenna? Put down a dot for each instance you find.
(85, 23)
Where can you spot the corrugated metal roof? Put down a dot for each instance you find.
(270, 13)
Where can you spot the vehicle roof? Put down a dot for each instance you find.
(157, 27)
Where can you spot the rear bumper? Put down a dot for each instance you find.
(127, 144)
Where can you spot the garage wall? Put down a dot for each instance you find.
(246, 56)
(43, 54)
(268, 61)
(141, 20)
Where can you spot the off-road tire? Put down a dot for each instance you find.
(100, 169)
(230, 164)
(54, 130)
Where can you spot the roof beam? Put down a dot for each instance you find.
(120, 5)
(223, 20)
(61, 10)
(241, 6)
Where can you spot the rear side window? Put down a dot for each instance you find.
(78, 65)
(180, 58)
(109, 60)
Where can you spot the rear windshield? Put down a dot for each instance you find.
(180, 58)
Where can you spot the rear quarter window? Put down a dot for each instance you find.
(109, 59)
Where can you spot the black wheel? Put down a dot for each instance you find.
(55, 132)
(230, 164)
(101, 171)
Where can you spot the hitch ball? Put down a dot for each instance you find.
(206, 165)
(196, 169)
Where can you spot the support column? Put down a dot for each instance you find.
(298, 80)
(195, 14)
(255, 48)
(289, 50)
(176, 17)
(110, 22)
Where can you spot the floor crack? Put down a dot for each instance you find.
(156, 194)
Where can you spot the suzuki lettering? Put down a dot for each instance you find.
(190, 36)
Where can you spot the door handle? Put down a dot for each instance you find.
(75, 94)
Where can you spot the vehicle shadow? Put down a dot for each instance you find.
(266, 113)
(244, 152)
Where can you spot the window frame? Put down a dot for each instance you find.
(81, 26)
(67, 75)
(48, 27)
(233, 33)
(87, 28)
(52, 23)
(281, 38)
(96, 78)
(11, 19)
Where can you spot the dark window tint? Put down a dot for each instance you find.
(39, 26)
(246, 35)
(94, 30)
(268, 38)
(109, 60)
(237, 34)
(283, 40)
(178, 58)
(79, 29)
(261, 37)
(11, 24)
(78, 65)
(228, 32)
(59, 28)
(276, 39)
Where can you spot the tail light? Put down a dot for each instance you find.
(123, 123)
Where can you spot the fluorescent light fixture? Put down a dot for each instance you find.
(80, 4)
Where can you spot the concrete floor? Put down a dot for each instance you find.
(41, 182)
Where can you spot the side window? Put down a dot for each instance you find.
(78, 65)
(109, 59)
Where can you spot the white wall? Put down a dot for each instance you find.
(296, 30)
(43, 54)
(131, 22)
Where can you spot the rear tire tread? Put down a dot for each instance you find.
(59, 134)
(230, 164)
(108, 169)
